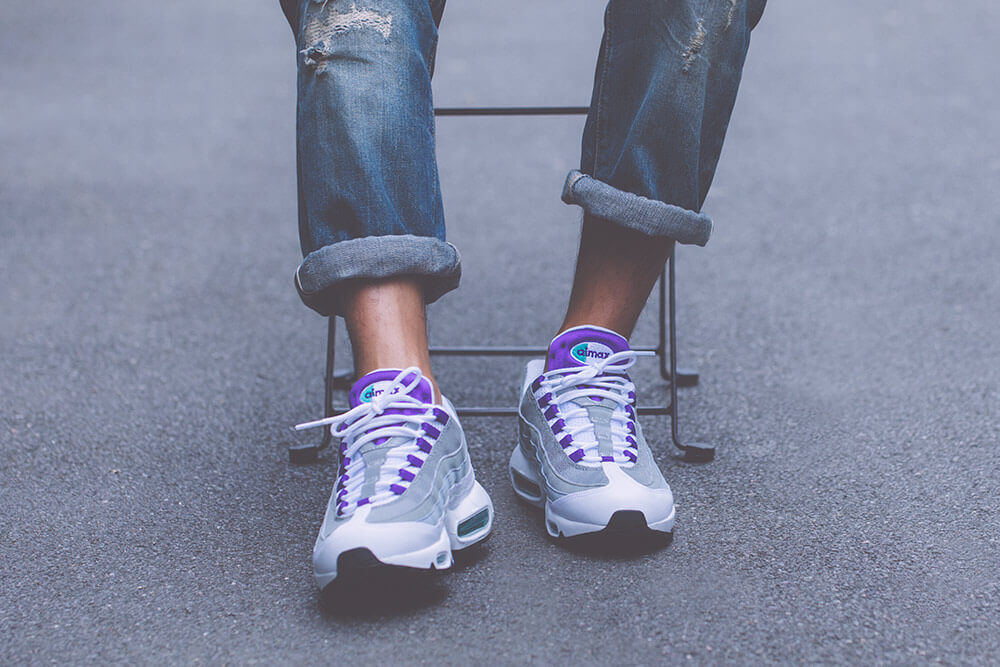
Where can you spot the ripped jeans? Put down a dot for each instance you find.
(369, 197)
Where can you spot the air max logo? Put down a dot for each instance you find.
(376, 389)
(586, 353)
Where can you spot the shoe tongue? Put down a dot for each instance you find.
(377, 382)
(584, 346)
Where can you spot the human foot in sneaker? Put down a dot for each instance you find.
(581, 454)
(406, 494)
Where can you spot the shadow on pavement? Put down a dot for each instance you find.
(381, 591)
(617, 545)
(470, 556)
(627, 537)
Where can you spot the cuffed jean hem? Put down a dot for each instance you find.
(321, 277)
(651, 217)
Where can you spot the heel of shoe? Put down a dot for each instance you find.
(471, 520)
(526, 478)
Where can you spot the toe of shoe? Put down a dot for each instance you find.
(390, 543)
(622, 493)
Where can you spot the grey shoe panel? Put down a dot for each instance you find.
(644, 470)
(562, 476)
(426, 498)
(373, 457)
(600, 412)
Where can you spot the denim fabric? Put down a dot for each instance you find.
(664, 89)
(651, 217)
(369, 197)
(376, 257)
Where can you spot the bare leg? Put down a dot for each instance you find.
(387, 323)
(615, 272)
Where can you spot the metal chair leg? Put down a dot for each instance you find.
(677, 377)
(308, 453)
(666, 351)
(695, 451)
(686, 377)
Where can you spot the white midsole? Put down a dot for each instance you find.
(661, 519)
(410, 545)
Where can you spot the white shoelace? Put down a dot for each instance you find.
(571, 422)
(367, 422)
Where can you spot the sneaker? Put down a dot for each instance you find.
(406, 494)
(581, 453)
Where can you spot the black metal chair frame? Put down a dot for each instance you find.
(666, 348)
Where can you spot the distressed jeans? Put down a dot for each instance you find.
(369, 196)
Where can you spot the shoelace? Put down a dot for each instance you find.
(367, 423)
(556, 392)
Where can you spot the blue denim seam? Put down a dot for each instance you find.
(651, 217)
(322, 274)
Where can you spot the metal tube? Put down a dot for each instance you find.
(505, 351)
(661, 351)
(328, 379)
(511, 111)
(482, 411)
(696, 452)
(476, 351)
(673, 345)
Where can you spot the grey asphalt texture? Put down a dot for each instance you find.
(153, 352)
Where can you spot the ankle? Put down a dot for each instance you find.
(387, 323)
(621, 326)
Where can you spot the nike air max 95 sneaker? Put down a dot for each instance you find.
(581, 453)
(406, 494)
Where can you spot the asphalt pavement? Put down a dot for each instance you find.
(844, 318)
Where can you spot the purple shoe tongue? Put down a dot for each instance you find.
(377, 382)
(583, 346)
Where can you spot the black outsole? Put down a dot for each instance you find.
(627, 534)
(627, 521)
(360, 566)
(359, 569)
(358, 559)
(366, 585)
(623, 523)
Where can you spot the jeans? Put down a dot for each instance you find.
(369, 198)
